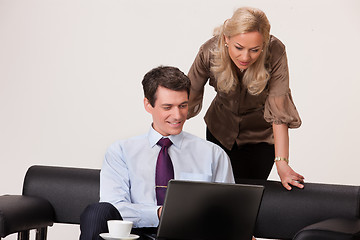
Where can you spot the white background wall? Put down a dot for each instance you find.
(71, 71)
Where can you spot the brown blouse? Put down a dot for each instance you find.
(238, 116)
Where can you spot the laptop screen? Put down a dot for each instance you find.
(209, 211)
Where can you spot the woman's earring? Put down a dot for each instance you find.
(226, 45)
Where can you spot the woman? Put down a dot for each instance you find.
(253, 108)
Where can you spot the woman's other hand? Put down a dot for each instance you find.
(288, 176)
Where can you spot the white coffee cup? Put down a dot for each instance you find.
(119, 228)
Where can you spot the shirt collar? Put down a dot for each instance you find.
(154, 137)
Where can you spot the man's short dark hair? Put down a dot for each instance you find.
(166, 76)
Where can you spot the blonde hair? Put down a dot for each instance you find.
(255, 78)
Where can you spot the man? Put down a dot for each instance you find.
(128, 178)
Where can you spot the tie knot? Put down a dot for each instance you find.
(164, 142)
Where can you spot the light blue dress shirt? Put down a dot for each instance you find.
(127, 177)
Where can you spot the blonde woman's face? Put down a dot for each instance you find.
(245, 48)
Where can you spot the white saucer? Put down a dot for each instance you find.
(107, 236)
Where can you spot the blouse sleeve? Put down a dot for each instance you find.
(199, 74)
(279, 106)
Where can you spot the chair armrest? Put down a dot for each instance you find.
(68, 190)
(331, 229)
(20, 213)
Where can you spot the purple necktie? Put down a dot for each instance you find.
(164, 170)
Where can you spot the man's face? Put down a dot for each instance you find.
(170, 111)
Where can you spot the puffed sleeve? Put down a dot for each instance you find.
(279, 106)
(199, 74)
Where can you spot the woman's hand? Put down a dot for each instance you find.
(286, 174)
(289, 176)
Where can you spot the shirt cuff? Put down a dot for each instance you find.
(149, 217)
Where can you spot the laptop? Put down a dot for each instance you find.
(209, 211)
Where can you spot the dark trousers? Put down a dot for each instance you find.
(93, 221)
(249, 161)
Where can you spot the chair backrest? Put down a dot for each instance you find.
(69, 190)
(283, 213)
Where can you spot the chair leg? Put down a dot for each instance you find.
(41, 233)
(24, 235)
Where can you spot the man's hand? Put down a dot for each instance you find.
(159, 211)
